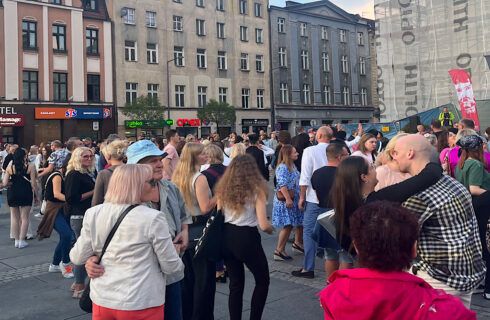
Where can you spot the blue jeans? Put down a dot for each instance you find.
(311, 214)
(62, 250)
(173, 301)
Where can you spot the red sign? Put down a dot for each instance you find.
(11, 120)
(191, 122)
(464, 88)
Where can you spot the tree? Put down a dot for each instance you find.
(144, 108)
(220, 113)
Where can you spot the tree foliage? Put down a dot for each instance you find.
(220, 113)
(144, 108)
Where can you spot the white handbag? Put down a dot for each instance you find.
(327, 221)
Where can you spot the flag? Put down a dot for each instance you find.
(466, 98)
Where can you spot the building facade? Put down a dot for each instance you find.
(206, 49)
(55, 70)
(320, 66)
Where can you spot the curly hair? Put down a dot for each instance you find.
(75, 162)
(240, 184)
(384, 234)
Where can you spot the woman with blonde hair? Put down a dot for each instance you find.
(237, 150)
(389, 173)
(79, 189)
(139, 256)
(367, 148)
(285, 211)
(242, 195)
(115, 154)
(200, 280)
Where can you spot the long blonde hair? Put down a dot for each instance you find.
(186, 168)
(391, 146)
(240, 184)
(75, 162)
(237, 150)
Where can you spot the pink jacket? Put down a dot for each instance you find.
(368, 294)
(454, 159)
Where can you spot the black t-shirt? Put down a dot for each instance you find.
(213, 173)
(321, 182)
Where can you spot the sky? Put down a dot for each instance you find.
(364, 8)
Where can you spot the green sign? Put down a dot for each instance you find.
(147, 123)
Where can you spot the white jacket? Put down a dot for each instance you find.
(136, 260)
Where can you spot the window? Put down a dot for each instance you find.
(222, 92)
(360, 38)
(258, 35)
(245, 98)
(131, 92)
(201, 58)
(283, 62)
(91, 5)
(243, 33)
(201, 96)
(151, 53)
(304, 60)
(326, 95)
(220, 30)
(92, 41)
(364, 100)
(29, 35)
(345, 64)
(258, 9)
(306, 94)
(153, 90)
(55, 1)
(177, 23)
(362, 66)
(244, 61)
(302, 29)
(130, 51)
(284, 93)
(259, 63)
(345, 96)
(29, 85)
(243, 6)
(60, 86)
(179, 56)
(151, 19)
(200, 3)
(179, 96)
(325, 62)
(342, 37)
(200, 27)
(177, 1)
(220, 5)
(222, 60)
(59, 38)
(260, 98)
(129, 18)
(280, 25)
(324, 33)
(93, 87)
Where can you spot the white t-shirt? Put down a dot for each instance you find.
(313, 159)
(247, 219)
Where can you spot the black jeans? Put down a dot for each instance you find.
(481, 204)
(242, 245)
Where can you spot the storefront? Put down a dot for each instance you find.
(10, 124)
(254, 125)
(150, 128)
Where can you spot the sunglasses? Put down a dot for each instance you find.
(153, 182)
(88, 157)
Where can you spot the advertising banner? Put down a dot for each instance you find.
(11, 120)
(73, 113)
(464, 89)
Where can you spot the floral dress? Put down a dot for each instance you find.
(281, 215)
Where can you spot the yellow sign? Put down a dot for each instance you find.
(385, 129)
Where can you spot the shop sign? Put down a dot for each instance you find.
(10, 120)
(73, 113)
(147, 123)
(255, 122)
(7, 110)
(192, 122)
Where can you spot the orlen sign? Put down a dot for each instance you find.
(192, 123)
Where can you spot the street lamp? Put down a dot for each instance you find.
(168, 90)
(273, 109)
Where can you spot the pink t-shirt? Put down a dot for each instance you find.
(174, 159)
(387, 176)
(454, 159)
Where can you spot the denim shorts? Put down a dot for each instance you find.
(341, 255)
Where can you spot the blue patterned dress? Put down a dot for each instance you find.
(281, 215)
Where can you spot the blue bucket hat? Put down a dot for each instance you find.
(142, 149)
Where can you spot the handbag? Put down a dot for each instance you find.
(280, 195)
(446, 166)
(85, 301)
(45, 202)
(209, 244)
(327, 221)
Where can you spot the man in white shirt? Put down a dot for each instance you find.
(313, 158)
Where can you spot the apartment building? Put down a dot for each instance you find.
(206, 49)
(55, 70)
(321, 68)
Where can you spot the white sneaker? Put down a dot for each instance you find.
(67, 270)
(22, 244)
(29, 237)
(38, 215)
(54, 268)
(16, 244)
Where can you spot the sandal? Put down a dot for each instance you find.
(278, 256)
(72, 288)
(77, 294)
(296, 248)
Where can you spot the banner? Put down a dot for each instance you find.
(466, 98)
(73, 113)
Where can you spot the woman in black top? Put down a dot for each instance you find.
(79, 189)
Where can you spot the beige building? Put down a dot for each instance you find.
(214, 49)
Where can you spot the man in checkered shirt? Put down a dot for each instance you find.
(449, 247)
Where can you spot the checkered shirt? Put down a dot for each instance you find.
(449, 247)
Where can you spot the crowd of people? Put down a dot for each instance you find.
(411, 218)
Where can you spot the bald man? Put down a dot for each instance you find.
(313, 159)
(449, 247)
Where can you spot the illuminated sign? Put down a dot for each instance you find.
(159, 124)
(73, 113)
(8, 120)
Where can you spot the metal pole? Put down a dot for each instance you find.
(168, 90)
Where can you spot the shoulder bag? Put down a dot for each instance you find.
(209, 244)
(85, 301)
(44, 202)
